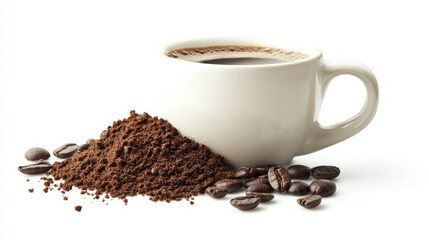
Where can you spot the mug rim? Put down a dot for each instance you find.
(279, 43)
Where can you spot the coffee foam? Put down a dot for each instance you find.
(203, 54)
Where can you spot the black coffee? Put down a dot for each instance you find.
(236, 55)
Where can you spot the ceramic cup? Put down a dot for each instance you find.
(258, 114)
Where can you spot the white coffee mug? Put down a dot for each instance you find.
(258, 114)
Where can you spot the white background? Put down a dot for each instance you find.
(70, 68)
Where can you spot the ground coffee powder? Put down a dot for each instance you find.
(142, 155)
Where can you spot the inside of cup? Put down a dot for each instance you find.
(240, 52)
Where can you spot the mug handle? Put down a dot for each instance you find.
(324, 136)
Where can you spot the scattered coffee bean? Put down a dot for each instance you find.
(36, 153)
(263, 170)
(78, 208)
(299, 172)
(83, 147)
(216, 192)
(298, 188)
(245, 173)
(246, 202)
(36, 168)
(310, 201)
(231, 185)
(325, 172)
(89, 141)
(323, 187)
(257, 180)
(66, 150)
(261, 187)
(103, 134)
(265, 197)
(279, 178)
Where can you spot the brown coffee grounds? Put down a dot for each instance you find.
(31, 190)
(142, 155)
(65, 198)
(78, 208)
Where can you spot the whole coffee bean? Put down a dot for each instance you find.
(262, 170)
(231, 185)
(36, 153)
(36, 168)
(246, 202)
(89, 141)
(310, 201)
(299, 172)
(83, 147)
(245, 172)
(265, 197)
(103, 134)
(279, 178)
(298, 188)
(261, 187)
(216, 192)
(323, 187)
(325, 172)
(66, 150)
(257, 180)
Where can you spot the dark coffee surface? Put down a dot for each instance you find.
(236, 55)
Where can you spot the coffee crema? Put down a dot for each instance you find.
(236, 55)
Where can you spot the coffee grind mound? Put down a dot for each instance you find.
(142, 155)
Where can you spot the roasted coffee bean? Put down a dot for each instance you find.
(246, 202)
(279, 178)
(231, 185)
(257, 180)
(325, 172)
(245, 173)
(36, 153)
(298, 188)
(36, 168)
(216, 192)
(103, 134)
(66, 150)
(265, 197)
(323, 187)
(299, 172)
(83, 147)
(89, 141)
(262, 170)
(310, 201)
(261, 187)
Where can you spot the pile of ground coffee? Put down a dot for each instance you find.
(142, 155)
